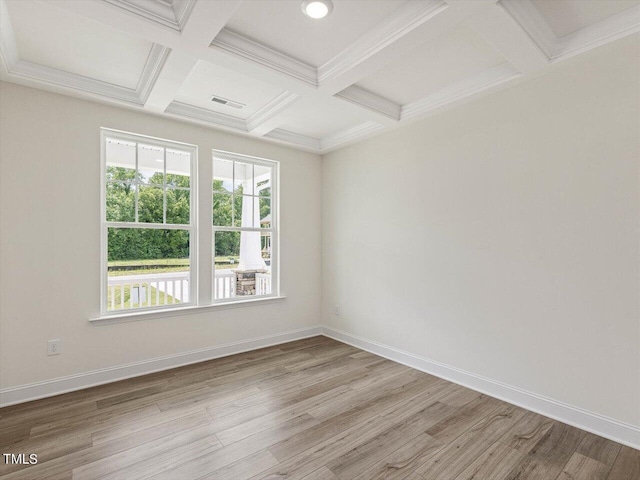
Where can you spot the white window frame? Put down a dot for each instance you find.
(274, 230)
(191, 227)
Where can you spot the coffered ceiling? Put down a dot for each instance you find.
(262, 68)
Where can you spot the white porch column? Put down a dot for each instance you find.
(250, 246)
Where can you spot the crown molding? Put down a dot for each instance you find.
(471, 86)
(270, 110)
(8, 47)
(610, 29)
(238, 125)
(339, 139)
(208, 116)
(236, 44)
(182, 10)
(152, 68)
(559, 48)
(286, 136)
(399, 23)
(369, 100)
(171, 14)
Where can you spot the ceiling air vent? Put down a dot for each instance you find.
(228, 103)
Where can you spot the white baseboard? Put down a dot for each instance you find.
(56, 386)
(592, 422)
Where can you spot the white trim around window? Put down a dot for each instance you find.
(268, 233)
(263, 199)
(146, 302)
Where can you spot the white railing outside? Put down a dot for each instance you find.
(148, 290)
(171, 288)
(224, 284)
(263, 283)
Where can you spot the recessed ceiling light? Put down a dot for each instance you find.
(317, 9)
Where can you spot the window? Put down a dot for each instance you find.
(244, 227)
(149, 231)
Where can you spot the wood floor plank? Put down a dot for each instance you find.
(304, 463)
(494, 463)
(323, 473)
(598, 448)
(402, 462)
(157, 423)
(463, 451)
(527, 432)
(464, 418)
(626, 465)
(163, 445)
(548, 457)
(246, 429)
(244, 468)
(314, 409)
(367, 454)
(92, 422)
(350, 417)
(580, 467)
(204, 465)
(132, 395)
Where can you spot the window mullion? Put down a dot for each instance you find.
(164, 186)
(136, 184)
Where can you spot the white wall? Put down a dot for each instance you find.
(50, 240)
(502, 237)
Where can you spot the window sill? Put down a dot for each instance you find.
(178, 312)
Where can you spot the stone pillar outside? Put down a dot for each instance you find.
(246, 282)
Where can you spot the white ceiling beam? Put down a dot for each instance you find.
(174, 72)
(205, 21)
(267, 118)
(506, 35)
(366, 99)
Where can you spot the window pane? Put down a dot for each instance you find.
(242, 264)
(178, 168)
(226, 256)
(150, 204)
(262, 180)
(121, 159)
(222, 175)
(263, 279)
(243, 211)
(178, 206)
(120, 202)
(243, 178)
(265, 212)
(147, 267)
(151, 164)
(222, 209)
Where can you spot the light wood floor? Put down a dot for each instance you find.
(314, 409)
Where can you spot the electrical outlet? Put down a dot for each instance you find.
(336, 310)
(54, 346)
